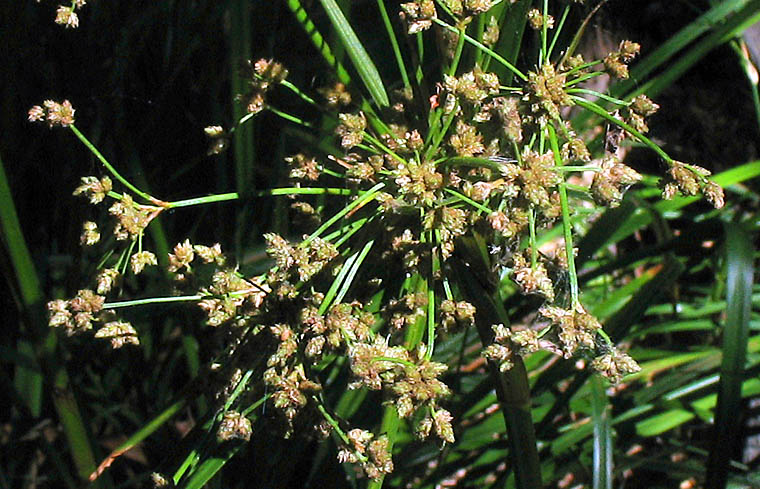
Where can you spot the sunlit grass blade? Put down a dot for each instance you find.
(739, 265)
(318, 40)
(361, 60)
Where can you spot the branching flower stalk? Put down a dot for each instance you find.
(424, 192)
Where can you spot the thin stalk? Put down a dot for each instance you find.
(579, 34)
(299, 92)
(567, 225)
(558, 31)
(438, 132)
(544, 55)
(353, 271)
(532, 238)
(481, 46)
(435, 270)
(602, 96)
(457, 53)
(209, 199)
(367, 197)
(464, 198)
(110, 167)
(394, 43)
(289, 117)
(597, 109)
(153, 300)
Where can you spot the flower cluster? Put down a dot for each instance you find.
(67, 16)
(264, 75)
(80, 313)
(372, 453)
(52, 112)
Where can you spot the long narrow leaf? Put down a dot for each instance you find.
(739, 264)
(602, 473)
(362, 62)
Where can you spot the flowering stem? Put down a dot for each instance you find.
(371, 194)
(602, 96)
(558, 31)
(299, 92)
(152, 300)
(481, 46)
(394, 43)
(544, 55)
(289, 117)
(598, 110)
(532, 238)
(464, 198)
(435, 270)
(262, 193)
(335, 426)
(399, 361)
(567, 225)
(109, 167)
(457, 53)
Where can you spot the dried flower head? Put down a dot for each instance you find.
(234, 426)
(140, 260)
(119, 332)
(67, 17)
(94, 189)
(90, 234)
(418, 15)
(56, 114)
(106, 279)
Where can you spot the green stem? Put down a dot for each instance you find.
(262, 193)
(299, 92)
(567, 225)
(598, 110)
(480, 45)
(558, 31)
(288, 117)
(394, 43)
(457, 53)
(602, 96)
(153, 300)
(371, 194)
(463, 197)
(108, 165)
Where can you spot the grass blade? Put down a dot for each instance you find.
(362, 62)
(602, 470)
(739, 264)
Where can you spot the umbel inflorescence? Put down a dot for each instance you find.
(477, 159)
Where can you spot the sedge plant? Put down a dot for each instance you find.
(425, 206)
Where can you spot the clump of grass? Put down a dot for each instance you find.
(427, 198)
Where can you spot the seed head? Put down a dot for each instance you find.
(119, 332)
(67, 17)
(90, 234)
